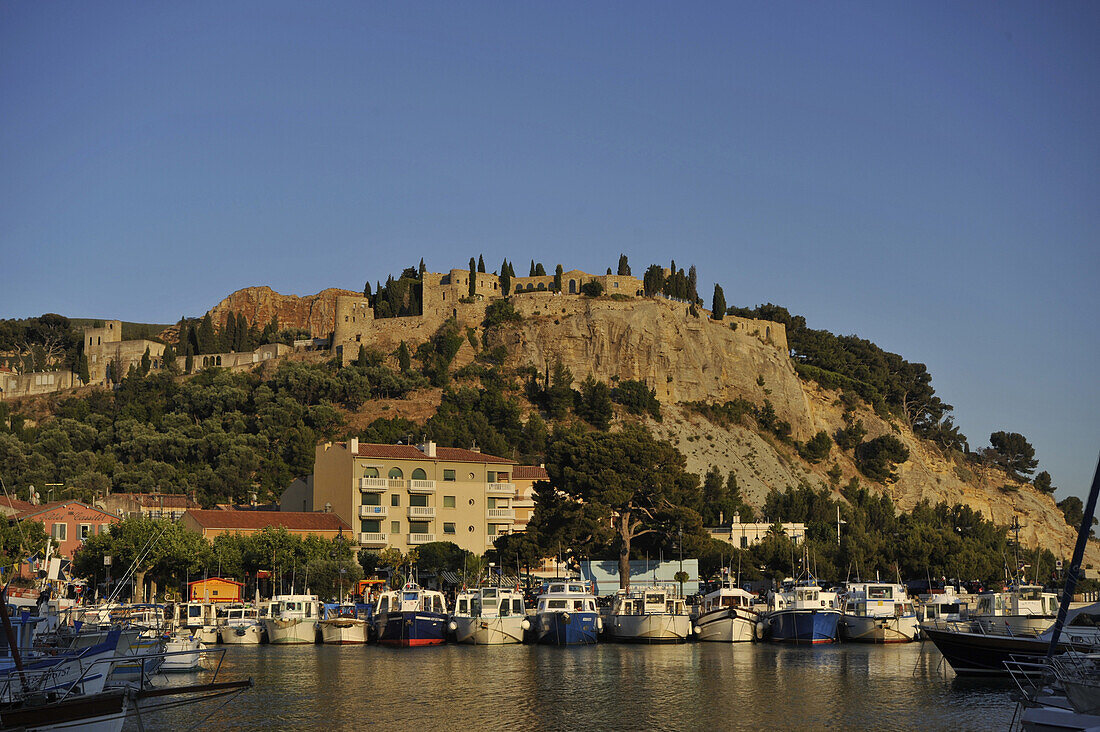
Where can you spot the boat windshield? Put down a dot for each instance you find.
(880, 593)
(410, 597)
(1031, 593)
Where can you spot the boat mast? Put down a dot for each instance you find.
(1075, 563)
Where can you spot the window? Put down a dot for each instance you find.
(419, 474)
(492, 502)
(418, 527)
(395, 527)
(744, 542)
(370, 527)
(418, 500)
(448, 501)
(395, 499)
(396, 474)
(448, 528)
(85, 531)
(448, 475)
(60, 532)
(370, 472)
(491, 476)
(372, 499)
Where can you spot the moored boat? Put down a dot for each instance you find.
(488, 616)
(877, 612)
(802, 612)
(240, 625)
(182, 654)
(292, 620)
(647, 615)
(566, 615)
(1018, 610)
(411, 616)
(344, 624)
(726, 615)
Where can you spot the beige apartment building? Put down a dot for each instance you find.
(404, 495)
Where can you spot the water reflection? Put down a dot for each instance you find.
(711, 685)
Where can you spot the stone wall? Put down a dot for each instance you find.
(41, 382)
(234, 360)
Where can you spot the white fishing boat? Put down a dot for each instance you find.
(240, 625)
(877, 612)
(489, 616)
(183, 654)
(727, 615)
(344, 624)
(1018, 610)
(200, 619)
(947, 606)
(292, 619)
(647, 615)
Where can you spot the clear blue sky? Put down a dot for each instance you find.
(921, 174)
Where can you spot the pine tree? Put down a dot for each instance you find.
(480, 264)
(511, 271)
(718, 303)
(168, 360)
(624, 266)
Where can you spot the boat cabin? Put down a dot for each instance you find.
(806, 595)
(1025, 600)
(226, 613)
(490, 602)
(876, 600)
(647, 601)
(727, 596)
(293, 606)
(566, 597)
(412, 598)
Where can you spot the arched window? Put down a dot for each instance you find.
(396, 473)
(370, 472)
(419, 474)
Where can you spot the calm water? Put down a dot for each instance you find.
(688, 687)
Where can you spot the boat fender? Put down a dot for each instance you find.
(452, 625)
(526, 624)
(599, 623)
(761, 629)
(697, 630)
(566, 618)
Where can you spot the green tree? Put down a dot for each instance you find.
(404, 359)
(480, 264)
(557, 278)
(653, 281)
(594, 405)
(1013, 452)
(592, 288)
(817, 448)
(624, 266)
(473, 277)
(718, 303)
(628, 477)
(146, 363)
(876, 458)
(1042, 483)
(540, 271)
(505, 278)
(1073, 509)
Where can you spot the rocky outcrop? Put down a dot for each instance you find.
(317, 313)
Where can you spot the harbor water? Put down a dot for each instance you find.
(697, 686)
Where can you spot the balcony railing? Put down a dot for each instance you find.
(421, 512)
(372, 539)
(395, 482)
(501, 488)
(421, 486)
(368, 512)
(373, 485)
(502, 513)
(421, 538)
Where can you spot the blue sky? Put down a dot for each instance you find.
(920, 174)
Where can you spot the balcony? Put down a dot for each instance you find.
(421, 512)
(502, 513)
(372, 539)
(373, 485)
(421, 538)
(421, 486)
(507, 489)
(372, 512)
(396, 483)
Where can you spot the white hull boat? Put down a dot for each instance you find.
(898, 629)
(183, 655)
(490, 631)
(650, 628)
(241, 634)
(726, 625)
(293, 631)
(343, 631)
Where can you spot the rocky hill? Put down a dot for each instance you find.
(315, 313)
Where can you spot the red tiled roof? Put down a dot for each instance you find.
(529, 472)
(255, 520)
(16, 504)
(409, 452)
(36, 510)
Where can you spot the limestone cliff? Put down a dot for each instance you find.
(316, 313)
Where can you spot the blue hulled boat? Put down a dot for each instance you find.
(411, 616)
(803, 613)
(566, 615)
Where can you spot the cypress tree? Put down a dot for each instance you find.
(532, 272)
(480, 264)
(692, 293)
(404, 361)
(718, 303)
(540, 271)
(557, 278)
(207, 340)
(473, 277)
(608, 270)
(422, 269)
(366, 290)
(146, 362)
(505, 279)
(624, 266)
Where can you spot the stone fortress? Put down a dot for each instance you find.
(448, 296)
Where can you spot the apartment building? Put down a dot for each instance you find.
(404, 495)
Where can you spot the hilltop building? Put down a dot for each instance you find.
(744, 535)
(406, 495)
(106, 350)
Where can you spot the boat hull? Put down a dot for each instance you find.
(979, 654)
(651, 628)
(725, 625)
(343, 631)
(810, 627)
(887, 629)
(567, 628)
(411, 628)
(489, 631)
(103, 712)
(1027, 625)
(241, 635)
(294, 631)
(180, 662)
